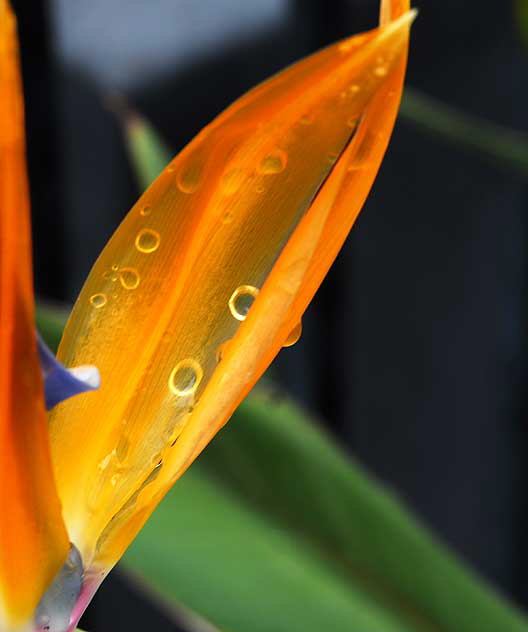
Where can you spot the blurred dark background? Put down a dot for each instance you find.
(414, 351)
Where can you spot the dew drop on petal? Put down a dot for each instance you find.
(188, 179)
(115, 267)
(351, 44)
(241, 300)
(147, 240)
(380, 71)
(332, 157)
(129, 278)
(353, 88)
(227, 217)
(221, 350)
(259, 188)
(98, 300)
(185, 377)
(294, 335)
(275, 162)
(145, 210)
(232, 181)
(122, 448)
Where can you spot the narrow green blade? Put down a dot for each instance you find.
(274, 529)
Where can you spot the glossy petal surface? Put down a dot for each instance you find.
(33, 541)
(209, 273)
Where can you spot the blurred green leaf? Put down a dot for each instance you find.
(274, 528)
(503, 146)
(50, 322)
(522, 18)
(149, 154)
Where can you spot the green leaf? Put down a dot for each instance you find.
(521, 7)
(275, 529)
(50, 321)
(503, 146)
(148, 152)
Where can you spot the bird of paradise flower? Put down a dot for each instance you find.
(199, 288)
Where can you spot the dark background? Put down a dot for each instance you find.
(414, 350)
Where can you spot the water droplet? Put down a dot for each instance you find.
(115, 267)
(129, 278)
(259, 188)
(351, 43)
(354, 88)
(122, 448)
(147, 240)
(221, 350)
(145, 210)
(170, 168)
(227, 217)
(98, 300)
(232, 181)
(107, 274)
(294, 335)
(241, 300)
(188, 178)
(380, 71)
(352, 122)
(105, 462)
(307, 119)
(275, 162)
(332, 157)
(185, 377)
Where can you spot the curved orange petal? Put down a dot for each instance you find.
(33, 540)
(250, 213)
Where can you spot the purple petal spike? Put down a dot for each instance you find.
(61, 383)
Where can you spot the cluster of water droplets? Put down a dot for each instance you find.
(186, 376)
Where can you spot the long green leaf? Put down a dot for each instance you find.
(149, 154)
(274, 528)
(522, 18)
(503, 146)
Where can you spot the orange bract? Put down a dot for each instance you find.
(33, 541)
(209, 273)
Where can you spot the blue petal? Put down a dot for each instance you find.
(61, 383)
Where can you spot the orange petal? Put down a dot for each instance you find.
(33, 540)
(248, 217)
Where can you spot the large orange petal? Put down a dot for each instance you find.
(33, 541)
(257, 205)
